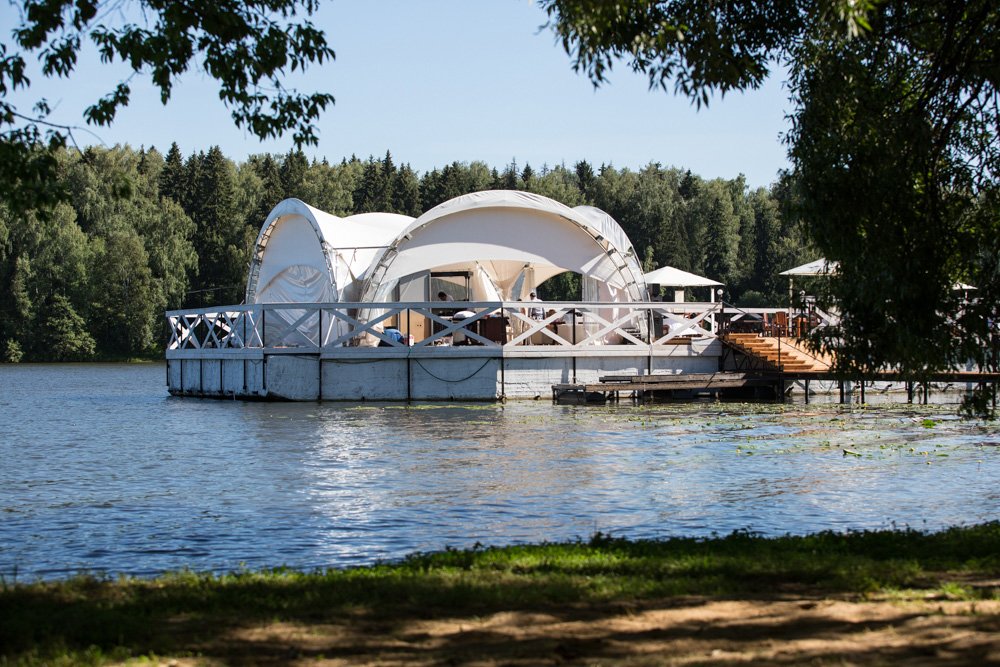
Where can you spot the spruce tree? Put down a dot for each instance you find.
(293, 175)
(272, 190)
(430, 190)
(386, 183)
(508, 179)
(527, 182)
(222, 240)
(368, 193)
(585, 179)
(406, 192)
(173, 180)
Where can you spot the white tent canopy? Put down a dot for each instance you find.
(304, 255)
(819, 267)
(668, 276)
(510, 242)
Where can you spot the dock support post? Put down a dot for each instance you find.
(926, 392)
(807, 391)
(319, 360)
(840, 384)
(573, 324)
(409, 378)
(862, 382)
(909, 391)
(503, 379)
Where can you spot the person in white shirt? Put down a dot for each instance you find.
(535, 312)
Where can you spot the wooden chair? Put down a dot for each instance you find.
(779, 326)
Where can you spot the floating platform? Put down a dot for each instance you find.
(340, 351)
(580, 352)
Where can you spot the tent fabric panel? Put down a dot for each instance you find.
(299, 283)
(343, 248)
(292, 243)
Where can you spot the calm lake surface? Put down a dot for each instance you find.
(102, 471)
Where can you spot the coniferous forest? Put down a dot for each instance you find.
(141, 232)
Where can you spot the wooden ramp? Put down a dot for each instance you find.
(611, 387)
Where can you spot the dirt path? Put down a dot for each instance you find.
(792, 630)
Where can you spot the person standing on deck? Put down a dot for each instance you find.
(535, 312)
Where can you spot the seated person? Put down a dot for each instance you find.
(459, 336)
(449, 299)
(393, 334)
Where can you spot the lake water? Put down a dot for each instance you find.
(102, 471)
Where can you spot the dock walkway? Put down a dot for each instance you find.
(610, 387)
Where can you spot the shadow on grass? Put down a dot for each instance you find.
(560, 601)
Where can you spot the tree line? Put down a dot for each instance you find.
(139, 232)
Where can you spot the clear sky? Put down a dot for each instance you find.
(444, 80)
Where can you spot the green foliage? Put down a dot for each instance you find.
(904, 195)
(12, 353)
(895, 150)
(64, 333)
(141, 233)
(247, 47)
(222, 239)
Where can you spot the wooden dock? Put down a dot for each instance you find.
(764, 384)
(610, 387)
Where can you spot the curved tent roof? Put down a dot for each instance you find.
(515, 240)
(304, 255)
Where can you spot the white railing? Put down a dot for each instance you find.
(323, 326)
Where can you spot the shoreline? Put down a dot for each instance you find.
(864, 597)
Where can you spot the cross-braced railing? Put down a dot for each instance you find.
(322, 326)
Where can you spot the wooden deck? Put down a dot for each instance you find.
(776, 364)
(611, 387)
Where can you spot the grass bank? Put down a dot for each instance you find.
(606, 601)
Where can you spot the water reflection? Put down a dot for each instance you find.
(104, 472)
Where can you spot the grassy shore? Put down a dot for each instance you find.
(859, 598)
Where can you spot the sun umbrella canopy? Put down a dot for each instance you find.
(668, 276)
(819, 267)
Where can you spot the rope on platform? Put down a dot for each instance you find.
(356, 362)
(441, 379)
